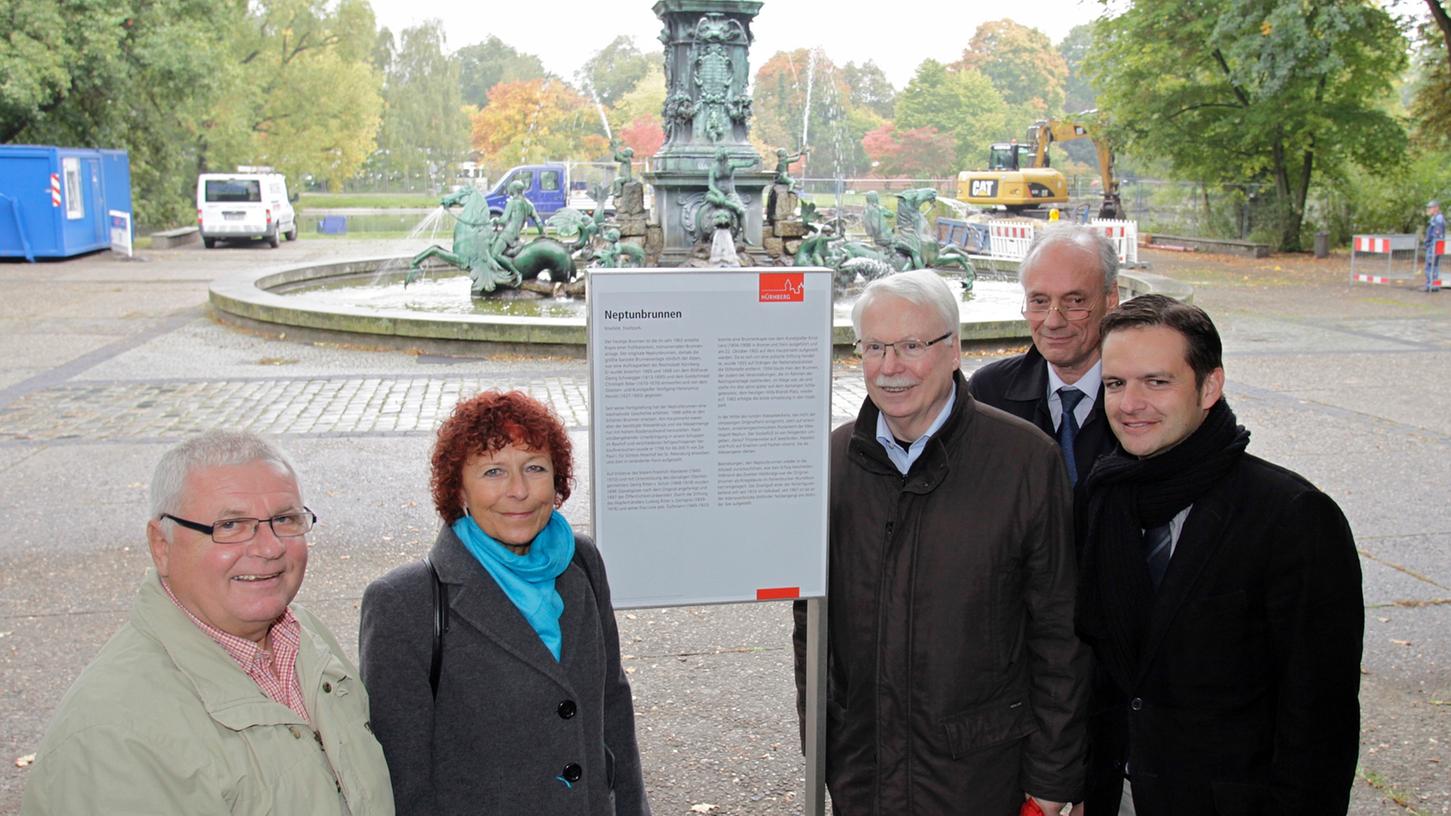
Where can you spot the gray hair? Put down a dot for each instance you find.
(921, 287)
(1086, 238)
(216, 448)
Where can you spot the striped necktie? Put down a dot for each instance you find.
(1157, 549)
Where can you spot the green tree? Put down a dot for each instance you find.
(1238, 91)
(302, 95)
(1023, 66)
(486, 64)
(644, 101)
(1430, 107)
(137, 75)
(1441, 16)
(962, 103)
(615, 70)
(425, 130)
(1078, 93)
(868, 87)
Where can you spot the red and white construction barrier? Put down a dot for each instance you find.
(1380, 244)
(1387, 245)
(55, 189)
(1123, 233)
(1009, 240)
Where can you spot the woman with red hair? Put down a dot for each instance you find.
(493, 665)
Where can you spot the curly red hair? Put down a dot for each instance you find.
(485, 423)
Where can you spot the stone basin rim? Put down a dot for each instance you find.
(245, 298)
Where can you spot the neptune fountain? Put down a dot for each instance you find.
(715, 204)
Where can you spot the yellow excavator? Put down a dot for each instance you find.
(1020, 179)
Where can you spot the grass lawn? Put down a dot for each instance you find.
(370, 200)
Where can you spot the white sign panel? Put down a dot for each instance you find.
(120, 231)
(710, 402)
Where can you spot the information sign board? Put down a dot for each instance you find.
(710, 402)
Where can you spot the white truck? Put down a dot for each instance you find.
(244, 206)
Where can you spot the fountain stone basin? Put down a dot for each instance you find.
(353, 301)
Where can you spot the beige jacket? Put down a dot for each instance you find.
(163, 721)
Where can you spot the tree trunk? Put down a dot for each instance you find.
(1443, 22)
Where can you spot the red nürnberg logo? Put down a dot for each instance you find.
(783, 287)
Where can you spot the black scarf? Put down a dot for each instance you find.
(1126, 494)
(1155, 489)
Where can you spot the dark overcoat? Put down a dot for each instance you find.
(1019, 385)
(510, 726)
(1239, 693)
(955, 681)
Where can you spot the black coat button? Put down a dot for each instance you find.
(572, 772)
(1137, 704)
(566, 709)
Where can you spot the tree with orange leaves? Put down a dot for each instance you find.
(534, 121)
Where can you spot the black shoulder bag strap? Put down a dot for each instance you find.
(440, 624)
(440, 616)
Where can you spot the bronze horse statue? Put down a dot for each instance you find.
(474, 238)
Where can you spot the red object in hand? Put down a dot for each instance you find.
(1030, 808)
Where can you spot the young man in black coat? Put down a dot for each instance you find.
(1220, 594)
(1070, 279)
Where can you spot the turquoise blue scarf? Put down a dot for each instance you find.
(527, 579)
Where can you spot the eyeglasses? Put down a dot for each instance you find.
(238, 530)
(907, 349)
(1077, 310)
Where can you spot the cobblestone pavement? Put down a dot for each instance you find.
(337, 406)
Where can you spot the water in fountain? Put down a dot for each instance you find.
(425, 231)
(604, 121)
(810, 81)
(960, 209)
(836, 122)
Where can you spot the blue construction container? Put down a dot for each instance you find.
(55, 201)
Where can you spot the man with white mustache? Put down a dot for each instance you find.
(955, 681)
(218, 695)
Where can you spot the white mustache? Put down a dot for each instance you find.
(894, 382)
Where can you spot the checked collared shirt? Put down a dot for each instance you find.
(274, 671)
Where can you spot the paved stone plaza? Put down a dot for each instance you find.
(105, 362)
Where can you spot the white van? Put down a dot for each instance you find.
(244, 205)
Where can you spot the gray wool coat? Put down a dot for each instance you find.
(512, 731)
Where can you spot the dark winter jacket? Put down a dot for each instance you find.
(512, 730)
(955, 681)
(1239, 692)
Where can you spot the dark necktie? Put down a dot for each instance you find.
(1157, 550)
(1068, 429)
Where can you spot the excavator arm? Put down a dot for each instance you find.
(1045, 132)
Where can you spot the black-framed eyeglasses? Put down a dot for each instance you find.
(1041, 308)
(909, 348)
(238, 530)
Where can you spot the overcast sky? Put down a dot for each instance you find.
(565, 33)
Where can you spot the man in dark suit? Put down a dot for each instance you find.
(1070, 279)
(1220, 594)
